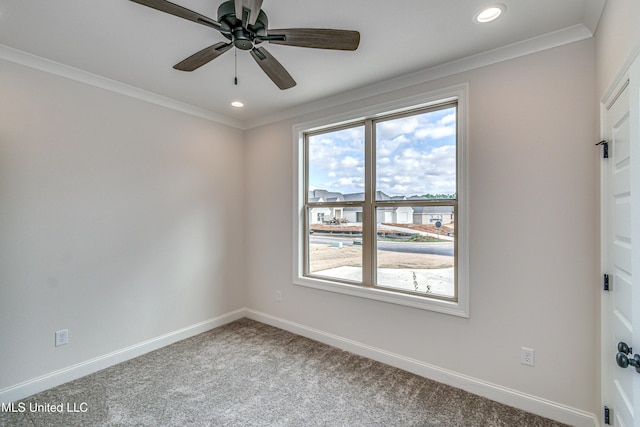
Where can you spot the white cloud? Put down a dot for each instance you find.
(435, 132)
(350, 162)
(413, 171)
(393, 128)
(413, 156)
(448, 119)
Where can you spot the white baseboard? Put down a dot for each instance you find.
(56, 378)
(514, 398)
(526, 402)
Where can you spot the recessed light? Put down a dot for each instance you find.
(237, 104)
(490, 13)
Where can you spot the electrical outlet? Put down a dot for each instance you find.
(527, 356)
(278, 295)
(62, 337)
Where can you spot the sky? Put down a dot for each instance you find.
(415, 155)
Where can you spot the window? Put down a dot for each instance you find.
(390, 190)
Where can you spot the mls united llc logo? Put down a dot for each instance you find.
(21, 407)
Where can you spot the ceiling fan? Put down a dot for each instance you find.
(246, 26)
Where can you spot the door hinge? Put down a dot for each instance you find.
(607, 415)
(605, 148)
(605, 282)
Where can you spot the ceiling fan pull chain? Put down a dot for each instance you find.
(244, 24)
(235, 78)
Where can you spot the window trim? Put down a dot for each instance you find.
(456, 93)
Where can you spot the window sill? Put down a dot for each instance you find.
(446, 307)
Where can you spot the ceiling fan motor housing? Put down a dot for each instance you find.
(250, 29)
(243, 37)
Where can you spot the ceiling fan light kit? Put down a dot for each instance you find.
(245, 25)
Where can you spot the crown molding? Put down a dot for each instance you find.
(592, 14)
(78, 75)
(505, 53)
(537, 44)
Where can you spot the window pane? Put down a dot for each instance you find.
(416, 156)
(334, 243)
(418, 255)
(336, 166)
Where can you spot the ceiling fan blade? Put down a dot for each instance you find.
(253, 7)
(318, 38)
(206, 55)
(273, 68)
(179, 11)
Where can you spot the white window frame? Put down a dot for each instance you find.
(457, 308)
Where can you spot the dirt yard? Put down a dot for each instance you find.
(325, 257)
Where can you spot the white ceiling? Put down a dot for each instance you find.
(138, 46)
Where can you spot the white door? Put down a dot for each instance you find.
(621, 220)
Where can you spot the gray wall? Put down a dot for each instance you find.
(617, 35)
(118, 220)
(532, 123)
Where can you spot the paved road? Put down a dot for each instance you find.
(441, 248)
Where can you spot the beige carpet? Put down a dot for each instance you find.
(250, 374)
